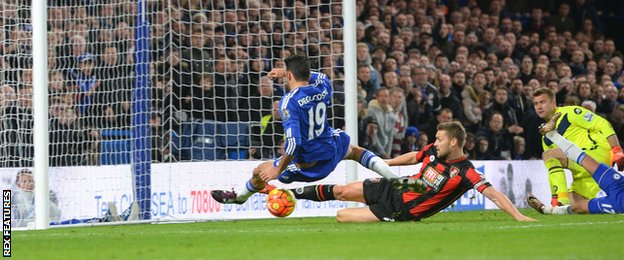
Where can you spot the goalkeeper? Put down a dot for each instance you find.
(592, 133)
(611, 181)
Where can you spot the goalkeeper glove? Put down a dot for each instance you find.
(408, 184)
(617, 157)
(556, 201)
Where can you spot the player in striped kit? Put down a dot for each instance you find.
(444, 176)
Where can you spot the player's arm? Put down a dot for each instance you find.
(284, 162)
(277, 73)
(292, 137)
(596, 123)
(290, 121)
(293, 141)
(614, 142)
(403, 159)
(584, 118)
(271, 173)
(599, 124)
(319, 79)
(606, 129)
(479, 183)
(504, 203)
(410, 158)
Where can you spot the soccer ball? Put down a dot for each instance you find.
(280, 202)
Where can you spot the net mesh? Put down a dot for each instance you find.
(210, 100)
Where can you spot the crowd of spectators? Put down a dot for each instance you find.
(419, 63)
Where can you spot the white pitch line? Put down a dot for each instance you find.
(561, 224)
(282, 230)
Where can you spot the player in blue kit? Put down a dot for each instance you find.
(312, 148)
(608, 179)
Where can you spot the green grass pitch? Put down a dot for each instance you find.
(460, 235)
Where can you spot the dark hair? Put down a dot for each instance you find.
(501, 87)
(454, 129)
(299, 66)
(445, 109)
(380, 90)
(359, 66)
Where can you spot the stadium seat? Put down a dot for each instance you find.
(111, 134)
(211, 140)
(184, 142)
(204, 141)
(175, 142)
(115, 146)
(235, 134)
(234, 137)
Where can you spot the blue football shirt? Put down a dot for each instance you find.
(308, 135)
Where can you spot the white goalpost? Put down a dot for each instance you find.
(157, 102)
(40, 113)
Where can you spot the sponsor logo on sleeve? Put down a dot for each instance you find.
(285, 114)
(588, 116)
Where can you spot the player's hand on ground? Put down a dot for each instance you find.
(269, 174)
(277, 73)
(618, 157)
(524, 218)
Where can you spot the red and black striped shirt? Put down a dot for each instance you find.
(447, 181)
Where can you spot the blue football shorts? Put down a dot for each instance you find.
(612, 183)
(321, 169)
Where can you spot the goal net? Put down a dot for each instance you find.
(170, 82)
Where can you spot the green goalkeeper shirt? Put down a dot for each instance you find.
(582, 127)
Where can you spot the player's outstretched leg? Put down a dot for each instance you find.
(225, 197)
(369, 160)
(537, 205)
(556, 178)
(323, 192)
(319, 192)
(253, 185)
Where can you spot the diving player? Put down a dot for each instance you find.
(312, 147)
